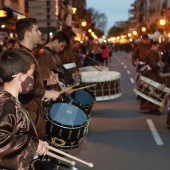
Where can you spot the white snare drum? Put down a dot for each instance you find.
(107, 84)
(93, 68)
(149, 90)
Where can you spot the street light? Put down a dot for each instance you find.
(83, 23)
(89, 30)
(162, 22)
(143, 29)
(134, 32)
(74, 10)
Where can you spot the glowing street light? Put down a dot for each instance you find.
(74, 10)
(162, 22)
(129, 34)
(89, 30)
(83, 24)
(134, 32)
(143, 29)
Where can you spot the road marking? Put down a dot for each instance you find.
(154, 132)
(122, 63)
(132, 81)
(128, 71)
(125, 66)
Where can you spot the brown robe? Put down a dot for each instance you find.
(140, 52)
(153, 74)
(19, 141)
(32, 101)
(69, 55)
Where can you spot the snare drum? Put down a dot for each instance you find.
(83, 98)
(66, 124)
(107, 84)
(149, 90)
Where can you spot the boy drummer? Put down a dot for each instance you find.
(19, 142)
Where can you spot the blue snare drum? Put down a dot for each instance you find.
(66, 124)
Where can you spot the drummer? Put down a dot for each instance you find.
(50, 63)
(154, 68)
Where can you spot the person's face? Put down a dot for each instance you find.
(30, 72)
(23, 76)
(72, 41)
(145, 41)
(57, 47)
(35, 35)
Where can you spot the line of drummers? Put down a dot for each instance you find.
(152, 76)
(66, 105)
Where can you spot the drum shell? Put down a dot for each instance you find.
(108, 84)
(64, 136)
(149, 90)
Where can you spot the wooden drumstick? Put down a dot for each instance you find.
(64, 90)
(60, 158)
(84, 87)
(67, 88)
(70, 156)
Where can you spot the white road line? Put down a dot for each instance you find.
(125, 66)
(132, 81)
(154, 132)
(122, 63)
(128, 71)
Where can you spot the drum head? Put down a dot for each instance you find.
(68, 114)
(83, 97)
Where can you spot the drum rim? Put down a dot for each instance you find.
(63, 125)
(90, 104)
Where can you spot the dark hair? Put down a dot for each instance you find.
(13, 61)
(23, 25)
(145, 36)
(61, 36)
(153, 42)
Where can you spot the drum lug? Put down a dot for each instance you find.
(60, 132)
(62, 142)
(70, 134)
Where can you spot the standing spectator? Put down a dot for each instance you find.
(95, 53)
(110, 48)
(105, 54)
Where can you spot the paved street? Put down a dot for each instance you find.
(120, 136)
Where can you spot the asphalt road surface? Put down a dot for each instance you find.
(120, 137)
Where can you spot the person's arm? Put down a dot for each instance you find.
(135, 56)
(68, 21)
(17, 147)
(67, 25)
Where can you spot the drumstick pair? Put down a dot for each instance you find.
(68, 155)
(63, 90)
